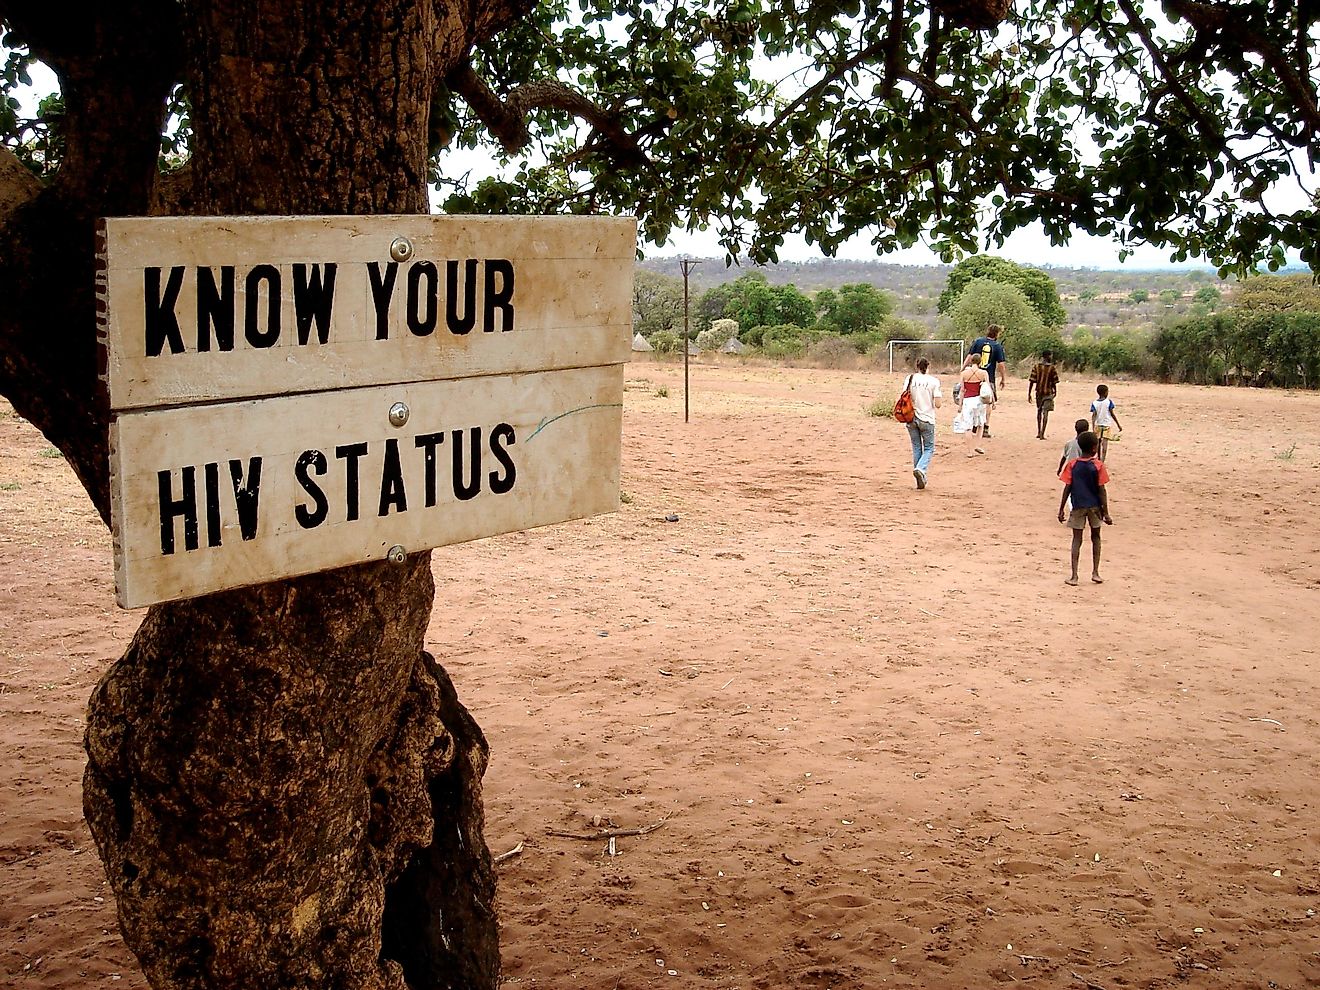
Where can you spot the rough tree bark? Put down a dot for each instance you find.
(282, 784)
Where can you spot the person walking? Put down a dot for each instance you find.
(1045, 380)
(1084, 480)
(971, 413)
(1104, 419)
(926, 398)
(988, 354)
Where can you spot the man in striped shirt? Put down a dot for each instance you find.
(1045, 380)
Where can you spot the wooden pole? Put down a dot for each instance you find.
(688, 264)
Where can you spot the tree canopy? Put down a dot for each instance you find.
(853, 308)
(985, 301)
(657, 302)
(1187, 125)
(1036, 285)
(1179, 125)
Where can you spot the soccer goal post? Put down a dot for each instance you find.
(924, 341)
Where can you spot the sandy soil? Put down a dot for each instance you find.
(887, 745)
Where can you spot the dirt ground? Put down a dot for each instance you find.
(884, 744)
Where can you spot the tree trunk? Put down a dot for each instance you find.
(282, 785)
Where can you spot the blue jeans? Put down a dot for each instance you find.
(923, 443)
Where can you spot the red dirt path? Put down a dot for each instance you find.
(887, 751)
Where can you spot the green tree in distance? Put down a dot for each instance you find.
(1277, 293)
(852, 308)
(657, 302)
(984, 301)
(1036, 285)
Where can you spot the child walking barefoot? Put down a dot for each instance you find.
(1084, 480)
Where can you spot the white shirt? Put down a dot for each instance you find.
(925, 390)
(1102, 408)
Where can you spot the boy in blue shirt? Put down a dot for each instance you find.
(1084, 479)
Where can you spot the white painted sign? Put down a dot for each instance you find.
(242, 448)
(199, 309)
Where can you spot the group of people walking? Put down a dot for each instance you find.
(975, 394)
(980, 382)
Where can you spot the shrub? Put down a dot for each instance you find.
(1115, 355)
(1077, 356)
(883, 406)
(783, 340)
(719, 334)
(783, 348)
(832, 351)
(666, 342)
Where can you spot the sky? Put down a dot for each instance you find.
(1029, 246)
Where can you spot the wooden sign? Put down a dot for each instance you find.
(199, 309)
(243, 449)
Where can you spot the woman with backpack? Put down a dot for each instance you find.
(926, 398)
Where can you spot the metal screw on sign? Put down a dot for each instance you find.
(396, 555)
(401, 249)
(398, 414)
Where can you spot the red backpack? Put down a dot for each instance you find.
(904, 411)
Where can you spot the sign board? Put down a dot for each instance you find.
(294, 394)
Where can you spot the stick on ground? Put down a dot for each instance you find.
(508, 855)
(606, 833)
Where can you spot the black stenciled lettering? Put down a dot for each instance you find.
(501, 298)
(308, 461)
(215, 308)
(247, 496)
(160, 322)
(350, 453)
(211, 483)
(461, 324)
(257, 337)
(382, 288)
(422, 326)
(313, 299)
(501, 438)
(470, 488)
(428, 442)
(392, 493)
(171, 508)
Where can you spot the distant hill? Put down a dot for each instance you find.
(901, 280)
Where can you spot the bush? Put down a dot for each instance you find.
(883, 406)
(1077, 356)
(719, 334)
(832, 351)
(1115, 355)
(666, 342)
(783, 340)
(786, 348)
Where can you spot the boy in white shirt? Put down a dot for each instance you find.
(1104, 418)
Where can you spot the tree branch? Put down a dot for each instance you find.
(837, 72)
(1223, 20)
(894, 45)
(1210, 131)
(507, 118)
(115, 67)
